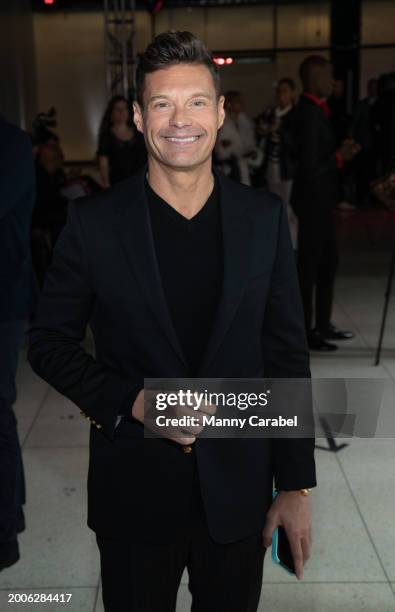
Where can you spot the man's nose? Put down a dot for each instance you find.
(180, 117)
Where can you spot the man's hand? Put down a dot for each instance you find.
(185, 435)
(138, 407)
(291, 510)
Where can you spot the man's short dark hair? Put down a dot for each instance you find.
(170, 49)
(308, 65)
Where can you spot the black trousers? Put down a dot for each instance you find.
(317, 266)
(140, 576)
(12, 482)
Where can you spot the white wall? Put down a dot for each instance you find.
(70, 73)
(378, 21)
(378, 27)
(304, 25)
(70, 62)
(222, 28)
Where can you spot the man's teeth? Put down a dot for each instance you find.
(189, 139)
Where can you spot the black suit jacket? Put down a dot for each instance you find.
(316, 180)
(17, 193)
(105, 272)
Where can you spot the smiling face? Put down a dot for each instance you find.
(181, 116)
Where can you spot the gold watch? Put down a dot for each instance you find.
(305, 492)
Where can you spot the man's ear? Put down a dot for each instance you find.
(221, 112)
(138, 117)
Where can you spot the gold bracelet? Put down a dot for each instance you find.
(305, 492)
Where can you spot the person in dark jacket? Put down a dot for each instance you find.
(121, 151)
(181, 273)
(16, 304)
(314, 197)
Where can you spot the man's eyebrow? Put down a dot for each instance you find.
(156, 97)
(199, 94)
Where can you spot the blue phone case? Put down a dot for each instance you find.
(275, 557)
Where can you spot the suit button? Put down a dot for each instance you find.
(187, 449)
(99, 426)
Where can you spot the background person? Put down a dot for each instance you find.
(16, 305)
(236, 148)
(278, 167)
(314, 197)
(121, 151)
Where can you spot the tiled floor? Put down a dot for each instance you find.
(353, 563)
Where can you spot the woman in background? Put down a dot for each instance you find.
(235, 150)
(121, 150)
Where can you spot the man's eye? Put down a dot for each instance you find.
(198, 103)
(161, 105)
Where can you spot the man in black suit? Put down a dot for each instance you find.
(180, 273)
(16, 301)
(314, 197)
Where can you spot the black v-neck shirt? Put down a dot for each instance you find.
(190, 258)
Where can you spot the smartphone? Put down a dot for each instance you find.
(281, 550)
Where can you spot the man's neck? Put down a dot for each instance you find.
(186, 191)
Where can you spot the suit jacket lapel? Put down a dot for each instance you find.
(237, 234)
(134, 228)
